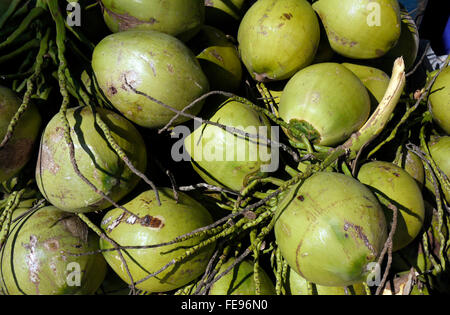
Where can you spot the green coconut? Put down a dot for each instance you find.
(360, 29)
(440, 151)
(40, 255)
(151, 224)
(18, 151)
(154, 63)
(231, 8)
(330, 229)
(277, 38)
(327, 100)
(226, 159)
(224, 14)
(96, 159)
(180, 18)
(240, 280)
(439, 100)
(393, 186)
(297, 285)
(413, 165)
(375, 80)
(218, 58)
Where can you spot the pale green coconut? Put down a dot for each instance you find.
(180, 18)
(439, 100)
(277, 38)
(330, 229)
(326, 101)
(151, 224)
(226, 159)
(360, 29)
(96, 160)
(50, 252)
(154, 63)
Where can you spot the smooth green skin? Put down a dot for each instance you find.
(222, 158)
(412, 164)
(154, 63)
(299, 286)
(348, 30)
(440, 152)
(219, 59)
(393, 185)
(240, 280)
(180, 18)
(277, 38)
(33, 260)
(439, 100)
(330, 98)
(232, 8)
(330, 228)
(375, 80)
(96, 160)
(164, 223)
(18, 150)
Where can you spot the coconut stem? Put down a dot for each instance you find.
(376, 123)
(30, 89)
(24, 25)
(9, 12)
(6, 217)
(234, 130)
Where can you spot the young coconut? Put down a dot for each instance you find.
(277, 38)
(218, 58)
(439, 100)
(326, 101)
(40, 255)
(240, 280)
(96, 160)
(375, 80)
(330, 228)
(154, 63)
(360, 29)
(297, 285)
(224, 13)
(180, 18)
(440, 152)
(224, 158)
(413, 165)
(151, 224)
(17, 151)
(394, 187)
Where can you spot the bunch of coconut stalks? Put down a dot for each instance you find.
(47, 63)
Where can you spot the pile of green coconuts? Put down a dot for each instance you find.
(95, 198)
